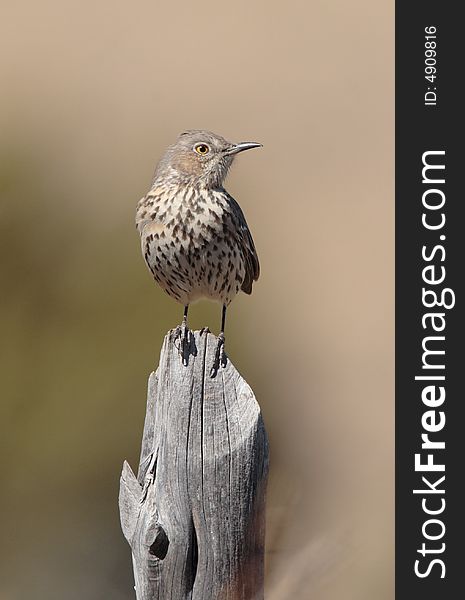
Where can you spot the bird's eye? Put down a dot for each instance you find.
(202, 149)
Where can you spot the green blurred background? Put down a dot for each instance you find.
(92, 92)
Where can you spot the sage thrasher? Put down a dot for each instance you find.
(194, 236)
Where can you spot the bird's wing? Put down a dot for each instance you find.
(246, 244)
(142, 213)
(149, 230)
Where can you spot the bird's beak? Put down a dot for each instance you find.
(243, 146)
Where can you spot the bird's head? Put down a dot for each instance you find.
(199, 157)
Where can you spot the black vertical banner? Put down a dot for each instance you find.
(430, 257)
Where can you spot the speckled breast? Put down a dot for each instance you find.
(189, 246)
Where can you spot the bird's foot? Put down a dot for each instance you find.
(204, 330)
(182, 333)
(220, 356)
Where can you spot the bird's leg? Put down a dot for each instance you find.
(184, 318)
(185, 336)
(182, 331)
(220, 355)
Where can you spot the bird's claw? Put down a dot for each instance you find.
(220, 356)
(204, 330)
(182, 334)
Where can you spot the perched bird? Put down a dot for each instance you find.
(194, 236)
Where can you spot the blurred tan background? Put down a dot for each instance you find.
(92, 92)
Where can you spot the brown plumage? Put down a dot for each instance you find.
(194, 236)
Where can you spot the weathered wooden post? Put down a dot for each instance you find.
(195, 515)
